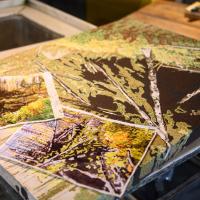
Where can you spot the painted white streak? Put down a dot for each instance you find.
(189, 96)
(93, 176)
(27, 122)
(181, 68)
(155, 94)
(130, 160)
(44, 69)
(68, 89)
(110, 120)
(64, 152)
(183, 47)
(108, 184)
(55, 102)
(168, 150)
(138, 164)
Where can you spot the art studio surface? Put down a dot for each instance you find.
(99, 100)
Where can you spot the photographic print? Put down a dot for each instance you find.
(27, 98)
(83, 149)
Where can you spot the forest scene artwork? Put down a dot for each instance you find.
(24, 98)
(83, 149)
(132, 90)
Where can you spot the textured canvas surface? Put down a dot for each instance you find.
(126, 71)
(27, 99)
(80, 148)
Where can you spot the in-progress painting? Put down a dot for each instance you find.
(26, 99)
(83, 149)
(126, 71)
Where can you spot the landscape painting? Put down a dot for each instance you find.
(85, 150)
(26, 99)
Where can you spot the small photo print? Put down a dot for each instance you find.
(82, 149)
(28, 98)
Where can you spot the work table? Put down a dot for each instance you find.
(32, 184)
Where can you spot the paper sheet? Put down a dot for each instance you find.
(85, 150)
(28, 98)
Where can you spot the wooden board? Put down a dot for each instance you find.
(171, 16)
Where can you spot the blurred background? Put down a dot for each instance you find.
(100, 12)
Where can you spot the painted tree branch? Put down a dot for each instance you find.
(189, 96)
(61, 83)
(27, 158)
(155, 94)
(184, 47)
(53, 137)
(64, 152)
(118, 181)
(69, 76)
(181, 68)
(68, 131)
(93, 176)
(71, 157)
(122, 90)
(130, 159)
(90, 68)
(103, 168)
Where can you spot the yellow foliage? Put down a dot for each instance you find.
(28, 112)
(129, 168)
(124, 139)
(117, 139)
(56, 167)
(113, 159)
